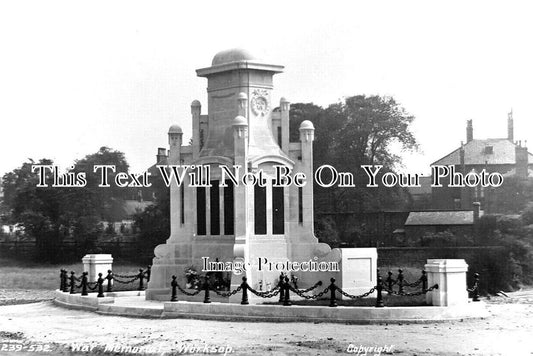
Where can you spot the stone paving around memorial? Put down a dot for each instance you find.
(507, 332)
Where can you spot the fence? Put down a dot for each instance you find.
(283, 288)
(68, 282)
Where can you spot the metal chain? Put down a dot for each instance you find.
(317, 284)
(188, 293)
(414, 284)
(125, 275)
(471, 290)
(436, 286)
(228, 294)
(356, 296)
(125, 282)
(301, 293)
(268, 294)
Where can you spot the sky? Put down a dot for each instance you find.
(75, 76)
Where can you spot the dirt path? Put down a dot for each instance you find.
(508, 332)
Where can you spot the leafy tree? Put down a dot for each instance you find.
(361, 130)
(38, 209)
(107, 202)
(50, 214)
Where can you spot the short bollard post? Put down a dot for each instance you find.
(390, 282)
(61, 281)
(174, 285)
(244, 286)
(84, 283)
(65, 281)
(72, 282)
(141, 279)
(424, 279)
(400, 281)
(207, 299)
(287, 298)
(475, 296)
(109, 279)
(148, 273)
(379, 288)
(281, 285)
(100, 282)
(332, 289)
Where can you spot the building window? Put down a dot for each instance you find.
(300, 205)
(200, 211)
(278, 211)
(489, 150)
(228, 209)
(260, 210)
(279, 137)
(214, 199)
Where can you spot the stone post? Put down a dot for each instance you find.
(450, 275)
(284, 107)
(94, 264)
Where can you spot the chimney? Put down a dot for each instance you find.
(510, 126)
(521, 159)
(469, 131)
(462, 158)
(161, 155)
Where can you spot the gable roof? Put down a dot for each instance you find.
(458, 217)
(503, 152)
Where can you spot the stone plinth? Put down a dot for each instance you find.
(97, 263)
(450, 275)
(358, 266)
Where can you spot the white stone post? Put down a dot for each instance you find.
(94, 264)
(450, 275)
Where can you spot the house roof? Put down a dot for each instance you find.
(503, 152)
(458, 217)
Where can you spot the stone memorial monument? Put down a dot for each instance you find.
(263, 226)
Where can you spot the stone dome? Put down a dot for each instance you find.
(307, 125)
(175, 129)
(240, 121)
(231, 55)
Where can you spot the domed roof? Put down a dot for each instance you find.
(175, 129)
(231, 55)
(307, 125)
(196, 103)
(240, 121)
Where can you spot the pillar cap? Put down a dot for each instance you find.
(195, 104)
(175, 129)
(242, 96)
(307, 125)
(239, 121)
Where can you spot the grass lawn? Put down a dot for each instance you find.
(19, 274)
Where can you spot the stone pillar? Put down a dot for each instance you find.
(450, 275)
(285, 107)
(94, 264)
(175, 138)
(307, 136)
(240, 248)
(196, 109)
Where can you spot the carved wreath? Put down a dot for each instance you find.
(260, 102)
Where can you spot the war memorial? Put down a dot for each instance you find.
(261, 234)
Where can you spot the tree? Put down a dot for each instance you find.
(50, 214)
(38, 209)
(357, 131)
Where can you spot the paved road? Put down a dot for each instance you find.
(508, 332)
